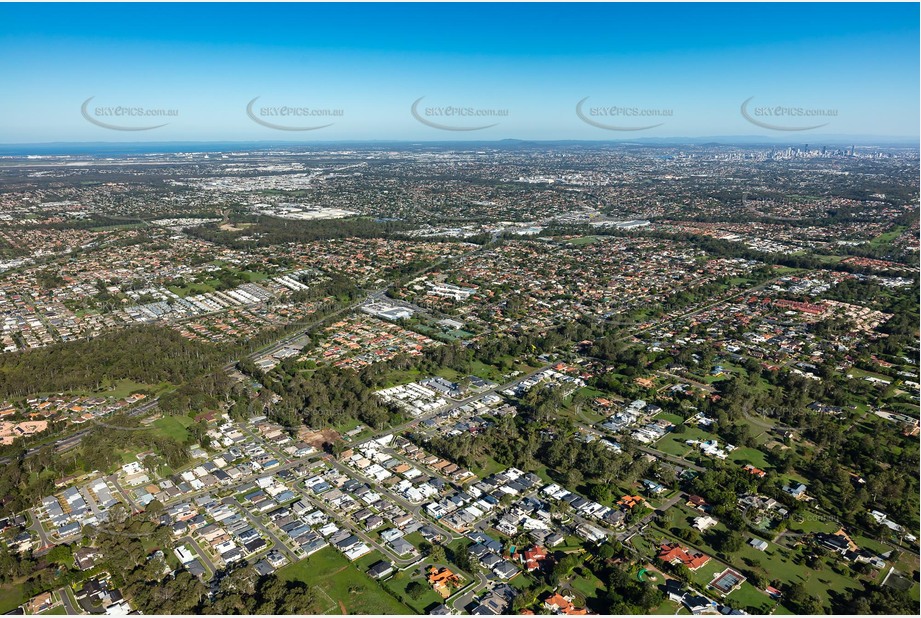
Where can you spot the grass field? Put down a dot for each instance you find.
(887, 237)
(173, 427)
(862, 373)
(582, 240)
(253, 276)
(587, 584)
(397, 585)
(190, 289)
(490, 466)
(481, 370)
(342, 588)
(829, 259)
(487, 372)
(871, 544)
(398, 377)
(749, 596)
(458, 334)
(746, 455)
(449, 374)
(668, 608)
(643, 546)
(11, 597)
(671, 418)
(674, 443)
(813, 522)
(210, 285)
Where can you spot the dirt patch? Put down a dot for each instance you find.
(774, 444)
(342, 608)
(317, 438)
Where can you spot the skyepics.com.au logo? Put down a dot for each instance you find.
(621, 118)
(454, 117)
(125, 117)
(785, 117)
(291, 117)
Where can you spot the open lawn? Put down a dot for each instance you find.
(252, 276)
(343, 588)
(746, 455)
(870, 544)
(582, 240)
(587, 583)
(781, 610)
(750, 597)
(11, 597)
(521, 581)
(643, 546)
(487, 372)
(458, 334)
(887, 237)
(862, 373)
(590, 392)
(397, 583)
(674, 443)
(490, 466)
(668, 608)
(813, 522)
(172, 427)
(190, 289)
(674, 419)
(544, 474)
(449, 374)
(398, 377)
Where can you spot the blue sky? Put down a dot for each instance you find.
(690, 65)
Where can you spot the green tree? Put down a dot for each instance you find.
(416, 590)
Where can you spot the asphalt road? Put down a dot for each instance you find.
(68, 601)
(37, 527)
(671, 458)
(187, 540)
(124, 494)
(414, 509)
(278, 543)
(344, 522)
(636, 527)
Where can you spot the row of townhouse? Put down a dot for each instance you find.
(224, 529)
(65, 514)
(367, 508)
